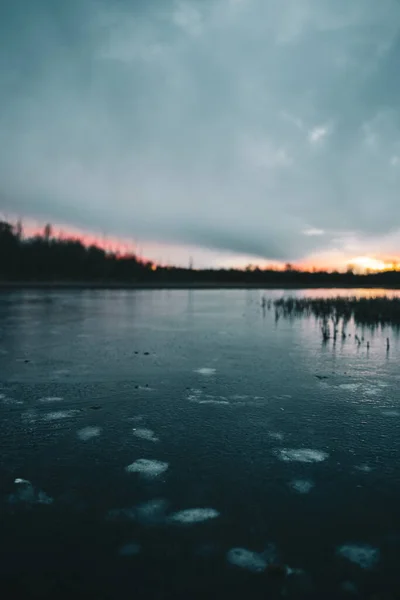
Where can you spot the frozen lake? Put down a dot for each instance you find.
(176, 444)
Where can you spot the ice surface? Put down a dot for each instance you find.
(132, 549)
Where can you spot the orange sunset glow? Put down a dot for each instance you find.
(179, 255)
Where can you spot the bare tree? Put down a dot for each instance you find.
(47, 232)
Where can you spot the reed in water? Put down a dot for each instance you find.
(335, 314)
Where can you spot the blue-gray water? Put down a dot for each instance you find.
(290, 447)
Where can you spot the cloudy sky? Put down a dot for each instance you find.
(228, 130)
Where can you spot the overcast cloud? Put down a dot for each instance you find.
(263, 127)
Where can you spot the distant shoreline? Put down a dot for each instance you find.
(157, 285)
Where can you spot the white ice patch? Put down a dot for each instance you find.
(29, 417)
(87, 433)
(194, 515)
(215, 401)
(145, 434)
(206, 371)
(151, 512)
(363, 555)
(372, 391)
(246, 559)
(132, 549)
(306, 455)
(276, 435)
(147, 468)
(26, 493)
(391, 413)
(50, 399)
(302, 486)
(136, 419)
(10, 401)
(364, 468)
(58, 415)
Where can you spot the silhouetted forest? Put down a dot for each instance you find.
(45, 258)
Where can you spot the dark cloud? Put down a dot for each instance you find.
(234, 124)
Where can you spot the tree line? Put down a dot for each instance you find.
(45, 258)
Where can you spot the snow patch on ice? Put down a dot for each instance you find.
(364, 468)
(145, 434)
(147, 468)
(50, 399)
(306, 455)
(365, 556)
(214, 401)
(246, 559)
(302, 486)
(58, 415)
(276, 435)
(205, 371)
(194, 515)
(26, 494)
(87, 433)
(148, 513)
(390, 413)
